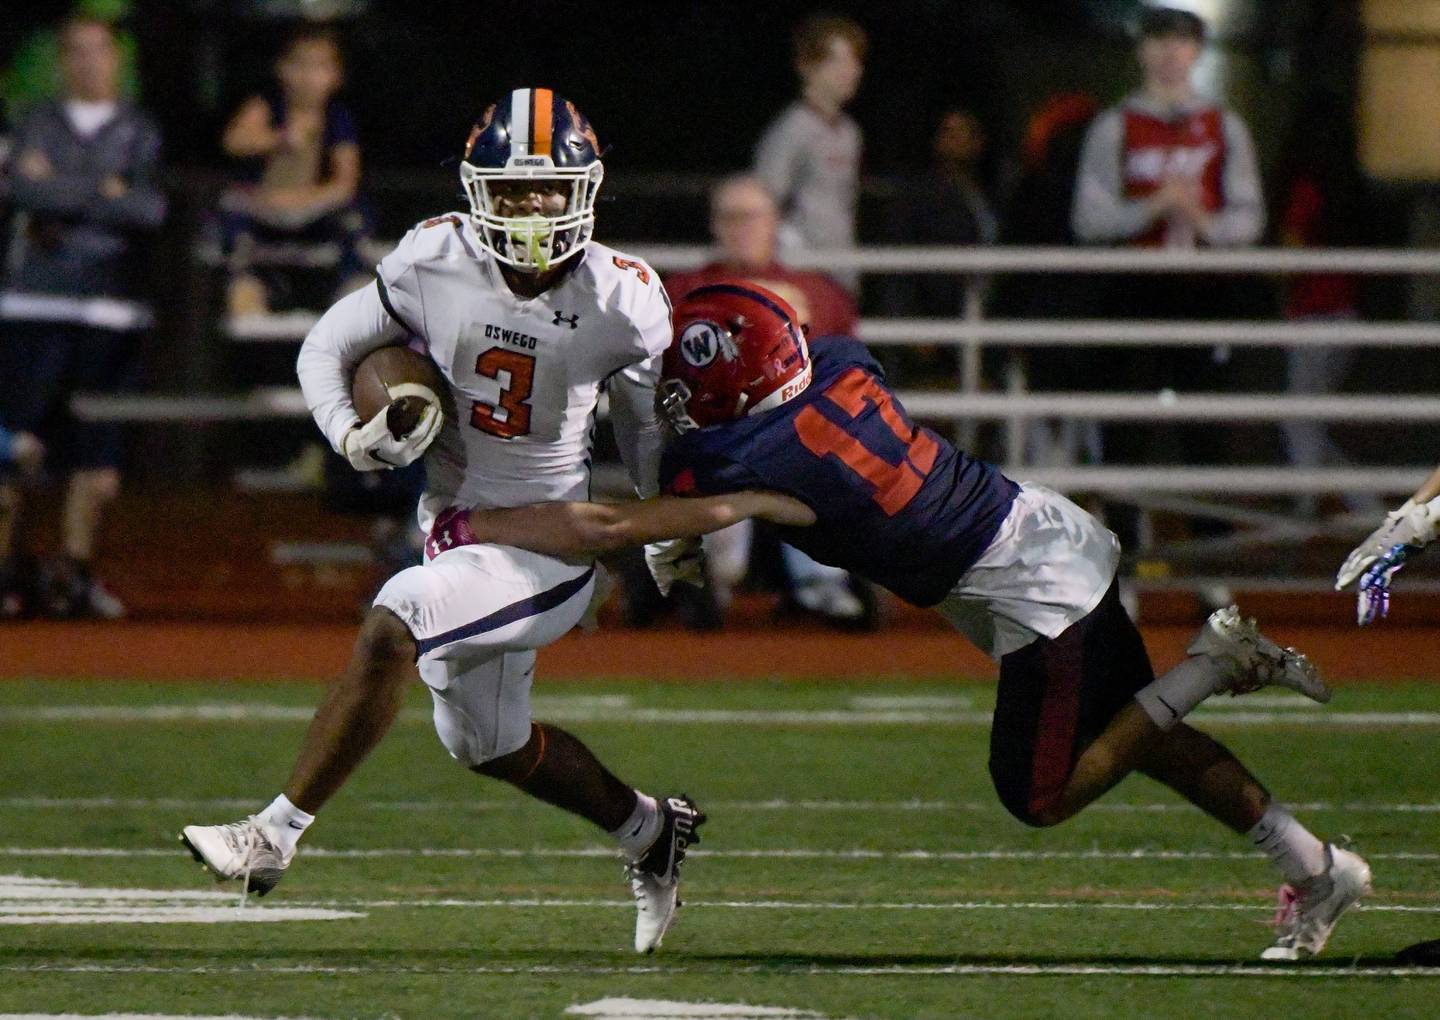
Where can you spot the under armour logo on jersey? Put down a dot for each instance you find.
(573, 320)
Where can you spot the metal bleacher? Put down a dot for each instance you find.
(1226, 492)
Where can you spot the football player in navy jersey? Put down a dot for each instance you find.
(1022, 571)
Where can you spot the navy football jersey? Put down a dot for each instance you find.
(896, 503)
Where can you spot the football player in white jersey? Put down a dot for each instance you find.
(528, 320)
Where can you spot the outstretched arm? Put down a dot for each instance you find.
(1402, 534)
(591, 529)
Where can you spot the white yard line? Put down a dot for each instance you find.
(25, 900)
(669, 967)
(774, 853)
(774, 804)
(132, 1016)
(958, 906)
(10, 916)
(881, 702)
(626, 1008)
(560, 711)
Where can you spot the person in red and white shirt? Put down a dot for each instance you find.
(1168, 168)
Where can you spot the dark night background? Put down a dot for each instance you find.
(684, 88)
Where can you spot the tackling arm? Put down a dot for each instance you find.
(592, 529)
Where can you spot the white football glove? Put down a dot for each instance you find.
(1414, 524)
(1373, 594)
(371, 447)
(679, 559)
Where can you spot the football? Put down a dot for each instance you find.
(387, 380)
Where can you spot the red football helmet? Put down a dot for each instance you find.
(738, 350)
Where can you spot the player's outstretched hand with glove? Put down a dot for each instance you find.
(1374, 561)
(373, 446)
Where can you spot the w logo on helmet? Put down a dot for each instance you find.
(700, 343)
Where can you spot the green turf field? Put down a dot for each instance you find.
(856, 863)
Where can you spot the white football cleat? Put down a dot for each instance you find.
(1307, 915)
(238, 850)
(655, 876)
(1252, 660)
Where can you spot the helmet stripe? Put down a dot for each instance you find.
(542, 121)
(520, 122)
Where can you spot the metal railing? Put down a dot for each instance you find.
(1243, 495)
(971, 333)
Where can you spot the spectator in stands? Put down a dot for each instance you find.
(745, 223)
(809, 156)
(34, 71)
(300, 177)
(85, 191)
(946, 204)
(1320, 203)
(1167, 168)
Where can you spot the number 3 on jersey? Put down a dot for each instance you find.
(895, 484)
(510, 417)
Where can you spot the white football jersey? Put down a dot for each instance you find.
(525, 373)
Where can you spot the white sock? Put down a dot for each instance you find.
(1172, 697)
(285, 823)
(1297, 853)
(641, 828)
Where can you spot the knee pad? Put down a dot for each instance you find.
(460, 735)
(1015, 796)
(483, 713)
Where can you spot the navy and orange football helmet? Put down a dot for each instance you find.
(738, 350)
(532, 134)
